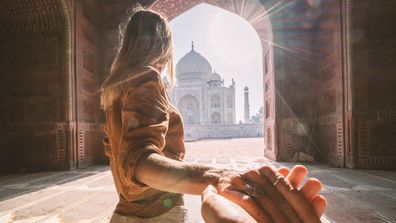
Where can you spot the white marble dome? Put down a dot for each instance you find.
(193, 66)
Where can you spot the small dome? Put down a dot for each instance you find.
(215, 77)
(246, 89)
(215, 80)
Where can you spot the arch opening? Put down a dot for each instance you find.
(255, 15)
(188, 106)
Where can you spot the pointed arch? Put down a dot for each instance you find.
(257, 16)
(189, 108)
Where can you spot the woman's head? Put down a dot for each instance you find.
(145, 41)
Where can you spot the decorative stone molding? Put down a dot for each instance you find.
(340, 143)
(304, 128)
(364, 142)
(369, 126)
(332, 119)
(67, 61)
(378, 116)
(30, 16)
(59, 130)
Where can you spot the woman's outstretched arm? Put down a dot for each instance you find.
(170, 175)
(166, 174)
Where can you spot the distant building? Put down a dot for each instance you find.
(206, 104)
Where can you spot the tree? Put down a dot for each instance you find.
(258, 117)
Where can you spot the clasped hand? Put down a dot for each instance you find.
(264, 195)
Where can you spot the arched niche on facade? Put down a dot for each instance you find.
(189, 109)
(215, 118)
(215, 101)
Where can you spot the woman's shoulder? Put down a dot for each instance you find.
(132, 77)
(119, 84)
(149, 81)
(148, 74)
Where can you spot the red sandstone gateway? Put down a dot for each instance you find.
(337, 83)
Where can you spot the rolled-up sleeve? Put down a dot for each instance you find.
(144, 113)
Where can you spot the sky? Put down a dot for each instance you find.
(230, 45)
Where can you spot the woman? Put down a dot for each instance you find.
(145, 137)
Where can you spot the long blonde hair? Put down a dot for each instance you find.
(146, 41)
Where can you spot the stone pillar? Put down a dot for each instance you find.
(247, 112)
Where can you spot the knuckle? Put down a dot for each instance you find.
(250, 173)
(265, 168)
(264, 201)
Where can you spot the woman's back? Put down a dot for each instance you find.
(142, 120)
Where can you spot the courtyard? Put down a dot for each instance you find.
(88, 195)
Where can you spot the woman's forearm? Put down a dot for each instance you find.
(170, 175)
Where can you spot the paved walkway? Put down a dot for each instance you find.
(88, 195)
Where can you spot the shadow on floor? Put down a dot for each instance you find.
(14, 185)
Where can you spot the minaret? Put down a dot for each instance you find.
(247, 112)
(233, 84)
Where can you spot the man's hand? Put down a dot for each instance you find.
(281, 202)
(215, 208)
(310, 189)
(231, 185)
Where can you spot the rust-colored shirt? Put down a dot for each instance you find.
(142, 120)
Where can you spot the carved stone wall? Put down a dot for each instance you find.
(329, 78)
(371, 81)
(116, 15)
(90, 74)
(33, 128)
(315, 89)
(308, 80)
(50, 114)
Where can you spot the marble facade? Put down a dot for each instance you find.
(205, 103)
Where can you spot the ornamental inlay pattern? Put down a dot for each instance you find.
(29, 16)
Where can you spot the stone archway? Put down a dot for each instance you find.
(310, 87)
(37, 101)
(257, 16)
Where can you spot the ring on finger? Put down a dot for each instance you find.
(254, 190)
(278, 179)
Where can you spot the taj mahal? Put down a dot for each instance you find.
(206, 104)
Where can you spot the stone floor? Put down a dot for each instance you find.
(88, 195)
